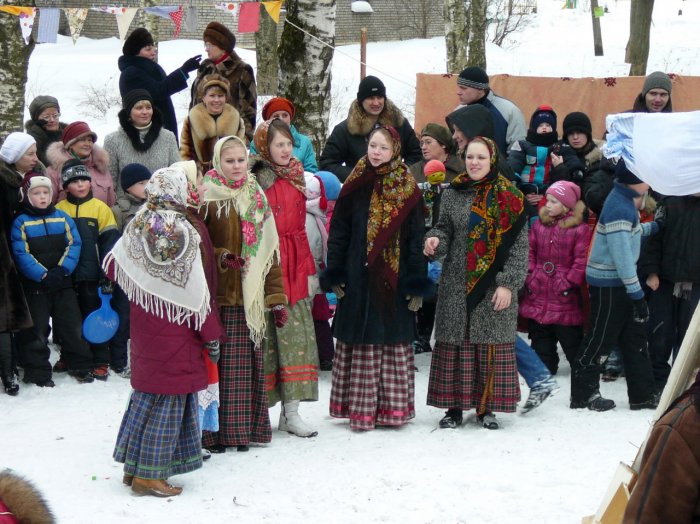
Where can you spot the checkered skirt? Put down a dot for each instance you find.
(243, 414)
(373, 385)
(159, 436)
(459, 375)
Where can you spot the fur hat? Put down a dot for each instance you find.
(133, 173)
(657, 80)
(578, 121)
(32, 180)
(473, 77)
(543, 114)
(75, 131)
(625, 176)
(213, 80)
(441, 134)
(73, 169)
(219, 35)
(40, 103)
(434, 172)
(277, 104)
(566, 192)
(15, 145)
(330, 183)
(134, 96)
(137, 40)
(370, 86)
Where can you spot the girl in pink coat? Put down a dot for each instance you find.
(556, 270)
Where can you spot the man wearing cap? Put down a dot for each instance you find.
(139, 70)
(223, 60)
(348, 141)
(44, 124)
(508, 121)
(656, 94)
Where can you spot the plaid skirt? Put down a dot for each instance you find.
(481, 376)
(159, 436)
(373, 384)
(291, 356)
(243, 414)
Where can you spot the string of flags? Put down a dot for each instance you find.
(247, 13)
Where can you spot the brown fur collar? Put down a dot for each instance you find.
(57, 154)
(204, 126)
(360, 124)
(595, 154)
(24, 500)
(572, 220)
(263, 172)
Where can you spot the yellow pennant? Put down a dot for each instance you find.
(273, 9)
(17, 11)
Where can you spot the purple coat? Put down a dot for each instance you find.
(556, 269)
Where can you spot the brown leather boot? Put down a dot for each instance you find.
(127, 479)
(154, 487)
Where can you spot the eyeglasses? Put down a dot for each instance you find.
(49, 118)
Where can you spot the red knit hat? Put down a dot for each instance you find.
(277, 104)
(74, 131)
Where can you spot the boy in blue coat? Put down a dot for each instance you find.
(46, 247)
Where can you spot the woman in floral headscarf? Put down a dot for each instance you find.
(377, 269)
(158, 264)
(246, 247)
(291, 356)
(482, 233)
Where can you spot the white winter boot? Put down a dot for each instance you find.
(291, 422)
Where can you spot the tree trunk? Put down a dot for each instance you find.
(476, 55)
(633, 14)
(597, 36)
(13, 71)
(456, 35)
(152, 24)
(266, 53)
(305, 65)
(639, 37)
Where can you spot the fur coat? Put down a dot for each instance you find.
(23, 500)
(201, 131)
(43, 138)
(97, 164)
(348, 141)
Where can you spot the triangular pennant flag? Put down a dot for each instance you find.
(176, 17)
(249, 17)
(228, 6)
(191, 19)
(49, 18)
(110, 10)
(76, 18)
(273, 9)
(124, 20)
(26, 18)
(15, 10)
(162, 11)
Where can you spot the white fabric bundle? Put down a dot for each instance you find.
(663, 149)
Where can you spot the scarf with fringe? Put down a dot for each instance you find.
(259, 240)
(157, 260)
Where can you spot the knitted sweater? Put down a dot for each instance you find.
(617, 241)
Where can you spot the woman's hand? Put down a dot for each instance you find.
(533, 199)
(653, 281)
(501, 298)
(430, 246)
(556, 159)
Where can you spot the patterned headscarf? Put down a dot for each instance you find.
(394, 195)
(157, 260)
(293, 172)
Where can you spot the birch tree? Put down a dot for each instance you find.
(266, 55)
(476, 52)
(13, 71)
(456, 35)
(305, 65)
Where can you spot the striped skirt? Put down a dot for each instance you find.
(159, 436)
(373, 385)
(291, 356)
(480, 376)
(243, 414)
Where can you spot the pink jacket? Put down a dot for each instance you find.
(556, 269)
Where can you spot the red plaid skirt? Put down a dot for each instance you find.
(459, 376)
(243, 412)
(373, 385)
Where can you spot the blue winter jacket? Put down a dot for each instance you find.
(303, 150)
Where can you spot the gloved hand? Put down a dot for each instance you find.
(280, 314)
(214, 350)
(231, 261)
(107, 286)
(641, 311)
(414, 303)
(191, 64)
(660, 216)
(339, 290)
(54, 278)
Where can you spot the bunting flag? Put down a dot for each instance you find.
(49, 18)
(249, 17)
(273, 9)
(26, 18)
(124, 20)
(176, 17)
(110, 10)
(76, 18)
(162, 11)
(228, 6)
(191, 19)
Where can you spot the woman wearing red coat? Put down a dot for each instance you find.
(159, 264)
(291, 356)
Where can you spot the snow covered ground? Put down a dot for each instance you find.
(549, 466)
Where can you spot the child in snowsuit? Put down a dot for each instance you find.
(46, 246)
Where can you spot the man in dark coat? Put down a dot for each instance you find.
(139, 70)
(348, 141)
(656, 94)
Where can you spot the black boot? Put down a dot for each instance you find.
(10, 384)
(452, 419)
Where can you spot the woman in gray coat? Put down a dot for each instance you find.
(483, 235)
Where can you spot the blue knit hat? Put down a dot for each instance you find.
(330, 183)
